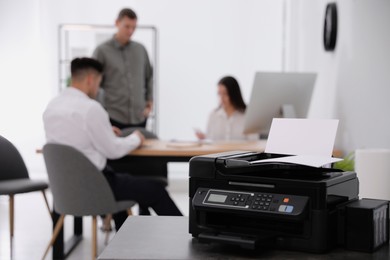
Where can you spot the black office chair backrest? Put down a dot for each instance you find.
(11, 162)
(78, 187)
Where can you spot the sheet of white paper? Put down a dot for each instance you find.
(302, 136)
(309, 160)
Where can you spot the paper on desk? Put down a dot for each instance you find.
(310, 141)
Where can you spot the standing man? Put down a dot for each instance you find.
(127, 75)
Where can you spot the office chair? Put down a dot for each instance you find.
(78, 188)
(14, 178)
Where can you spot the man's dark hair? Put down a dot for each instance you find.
(234, 92)
(79, 66)
(128, 13)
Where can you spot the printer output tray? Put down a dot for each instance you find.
(242, 165)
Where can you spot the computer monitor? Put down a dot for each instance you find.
(278, 94)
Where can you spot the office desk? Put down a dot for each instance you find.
(168, 238)
(152, 158)
(189, 149)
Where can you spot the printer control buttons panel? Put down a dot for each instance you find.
(251, 201)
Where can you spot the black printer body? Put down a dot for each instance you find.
(275, 205)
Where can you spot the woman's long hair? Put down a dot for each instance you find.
(234, 92)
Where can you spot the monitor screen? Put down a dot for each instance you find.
(276, 95)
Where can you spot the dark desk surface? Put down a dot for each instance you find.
(168, 238)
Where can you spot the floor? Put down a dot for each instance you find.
(33, 225)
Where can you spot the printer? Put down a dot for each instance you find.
(279, 205)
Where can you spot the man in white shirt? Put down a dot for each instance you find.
(74, 118)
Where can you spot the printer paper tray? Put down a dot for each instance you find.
(249, 242)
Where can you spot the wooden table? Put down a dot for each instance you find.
(157, 148)
(152, 158)
(168, 238)
(190, 149)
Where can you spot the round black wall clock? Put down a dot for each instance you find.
(330, 27)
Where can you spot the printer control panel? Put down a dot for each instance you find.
(250, 201)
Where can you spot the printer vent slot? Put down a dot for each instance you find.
(259, 185)
(252, 225)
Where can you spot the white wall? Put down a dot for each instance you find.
(24, 86)
(200, 41)
(353, 82)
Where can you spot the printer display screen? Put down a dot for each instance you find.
(217, 198)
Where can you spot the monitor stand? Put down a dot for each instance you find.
(288, 111)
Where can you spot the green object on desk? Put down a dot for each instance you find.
(348, 164)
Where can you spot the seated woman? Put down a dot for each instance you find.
(227, 121)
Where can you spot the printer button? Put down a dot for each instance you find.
(282, 208)
(270, 196)
(235, 203)
(256, 203)
(265, 208)
(261, 203)
(268, 200)
(239, 195)
(267, 204)
(257, 199)
(289, 209)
